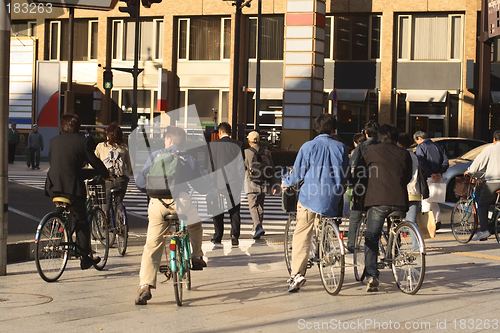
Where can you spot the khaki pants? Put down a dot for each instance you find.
(302, 235)
(153, 249)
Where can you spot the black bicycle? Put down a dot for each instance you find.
(401, 248)
(117, 217)
(54, 242)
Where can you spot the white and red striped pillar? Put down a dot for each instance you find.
(303, 69)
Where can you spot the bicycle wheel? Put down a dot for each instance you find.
(112, 229)
(463, 220)
(99, 240)
(121, 228)
(51, 247)
(359, 251)
(408, 258)
(289, 230)
(177, 278)
(187, 261)
(331, 259)
(496, 223)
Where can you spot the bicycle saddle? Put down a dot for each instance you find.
(175, 217)
(399, 214)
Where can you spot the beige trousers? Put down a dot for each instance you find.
(157, 226)
(306, 221)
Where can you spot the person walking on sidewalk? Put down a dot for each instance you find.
(258, 164)
(178, 203)
(68, 153)
(434, 162)
(226, 155)
(489, 162)
(390, 169)
(35, 143)
(322, 164)
(14, 139)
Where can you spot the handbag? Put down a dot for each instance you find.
(426, 224)
(215, 202)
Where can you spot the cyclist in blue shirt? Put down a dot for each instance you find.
(322, 164)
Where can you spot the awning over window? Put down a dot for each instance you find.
(349, 94)
(495, 97)
(426, 95)
(270, 93)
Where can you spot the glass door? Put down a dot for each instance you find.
(431, 124)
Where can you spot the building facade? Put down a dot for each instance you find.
(406, 63)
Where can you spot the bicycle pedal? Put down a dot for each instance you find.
(165, 269)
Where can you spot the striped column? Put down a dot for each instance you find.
(303, 69)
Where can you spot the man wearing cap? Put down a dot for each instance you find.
(256, 193)
(35, 143)
(14, 139)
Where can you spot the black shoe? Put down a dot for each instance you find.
(259, 233)
(87, 262)
(234, 241)
(215, 241)
(438, 225)
(197, 264)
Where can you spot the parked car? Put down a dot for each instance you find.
(457, 168)
(455, 147)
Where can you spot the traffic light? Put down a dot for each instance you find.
(147, 3)
(132, 8)
(107, 79)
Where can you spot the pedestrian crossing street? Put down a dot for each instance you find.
(136, 203)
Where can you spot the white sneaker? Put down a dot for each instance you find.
(482, 235)
(295, 282)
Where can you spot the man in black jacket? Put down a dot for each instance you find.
(229, 170)
(68, 153)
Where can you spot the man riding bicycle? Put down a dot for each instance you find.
(322, 164)
(488, 161)
(180, 203)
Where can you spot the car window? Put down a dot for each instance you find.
(465, 147)
(471, 155)
(449, 148)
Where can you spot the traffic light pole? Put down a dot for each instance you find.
(4, 124)
(136, 72)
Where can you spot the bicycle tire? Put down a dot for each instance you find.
(51, 255)
(121, 228)
(463, 220)
(289, 230)
(408, 265)
(331, 257)
(176, 275)
(496, 218)
(99, 240)
(187, 261)
(359, 251)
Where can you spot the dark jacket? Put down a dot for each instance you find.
(227, 153)
(432, 158)
(68, 154)
(390, 171)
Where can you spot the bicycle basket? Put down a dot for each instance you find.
(464, 185)
(100, 193)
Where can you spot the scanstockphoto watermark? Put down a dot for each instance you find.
(367, 324)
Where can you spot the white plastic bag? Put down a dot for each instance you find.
(437, 192)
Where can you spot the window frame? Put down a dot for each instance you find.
(89, 49)
(57, 55)
(117, 49)
(158, 39)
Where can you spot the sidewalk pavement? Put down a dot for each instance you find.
(243, 289)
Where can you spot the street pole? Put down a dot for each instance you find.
(69, 97)
(136, 70)
(236, 67)
(4, 123)
(259, 55)
(482, 113)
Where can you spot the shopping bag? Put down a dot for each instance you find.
(437, 192)
(346, 212)
(426, 224)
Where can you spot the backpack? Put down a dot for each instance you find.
(261, 171)
(164, 174)
(114, 162)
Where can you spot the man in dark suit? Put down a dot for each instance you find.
(229, 170)
(68, 154)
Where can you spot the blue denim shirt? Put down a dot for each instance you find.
(323, 165)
